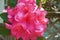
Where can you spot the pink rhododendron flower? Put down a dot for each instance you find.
(27, 20)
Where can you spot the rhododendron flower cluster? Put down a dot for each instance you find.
(27, 20)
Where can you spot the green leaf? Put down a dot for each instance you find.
(12, 3)
(3, 30)
(43, 1)
(38, 2)
(4, 17)
(40, 38)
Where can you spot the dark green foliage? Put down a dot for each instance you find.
(3, 30)
(38, 2)
(12, 3)
(4, 17)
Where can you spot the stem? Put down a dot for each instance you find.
(40, 6)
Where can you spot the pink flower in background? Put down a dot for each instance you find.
(27, 20)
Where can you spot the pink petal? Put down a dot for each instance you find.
(8, 26)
